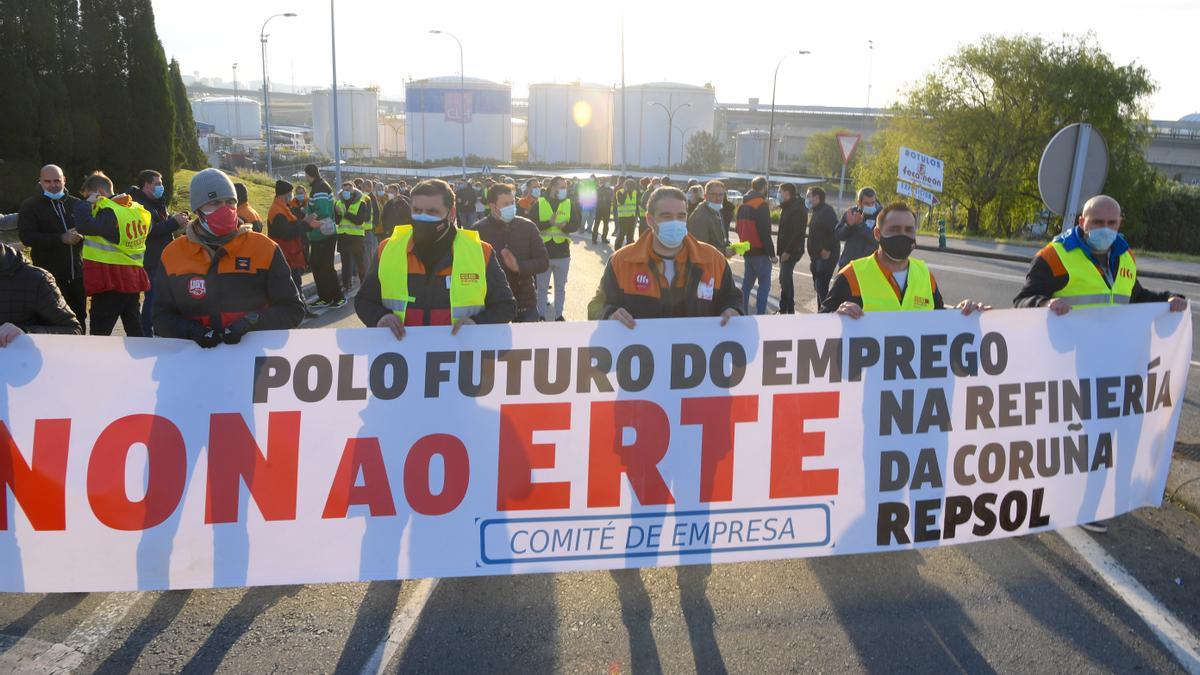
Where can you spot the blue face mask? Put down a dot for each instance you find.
(1101, 239)
(671, 233)
(507, 213)
(426, 218)
(55, 195)
(562, 194)
(158, 191)
(346, 194)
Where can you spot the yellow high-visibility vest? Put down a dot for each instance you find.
(344, 225)
(1086, 286)
(133, 225)
(878, 294)
(468, 274)
(561, 216)
(628, 207)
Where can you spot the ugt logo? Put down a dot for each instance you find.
(196, 288)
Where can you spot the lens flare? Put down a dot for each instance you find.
(582, 112)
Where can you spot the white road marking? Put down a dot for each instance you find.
(1174, 634)
(28, 655)
(400, 628)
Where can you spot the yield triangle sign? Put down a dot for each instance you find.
(847, 143)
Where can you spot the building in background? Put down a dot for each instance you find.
(239, 118)
(438, 109)
(646, 131)
(358, 122)
(571, 123)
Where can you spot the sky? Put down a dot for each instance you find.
(385, 43)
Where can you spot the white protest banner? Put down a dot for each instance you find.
(917, 167)
(334, 455)
(911, 191)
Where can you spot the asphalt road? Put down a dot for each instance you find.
(1033, 604)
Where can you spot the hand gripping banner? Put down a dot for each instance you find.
(338, 455)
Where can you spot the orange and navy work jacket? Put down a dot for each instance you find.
(635, 280)
(248, 274)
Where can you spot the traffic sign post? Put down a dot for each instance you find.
(1073, 169)
(846, 143)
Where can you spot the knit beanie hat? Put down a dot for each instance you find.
(208, 185)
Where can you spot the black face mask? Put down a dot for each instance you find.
(898, 247)
(427, 233)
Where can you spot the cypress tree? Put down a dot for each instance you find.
(104, 45)
(152, 141)
(188, 154)
(42, 54)
(77, 76)
(19, 147)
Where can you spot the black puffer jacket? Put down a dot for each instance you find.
(29, 298)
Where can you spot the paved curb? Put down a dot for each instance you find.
(1183, 483)
(1149, 274)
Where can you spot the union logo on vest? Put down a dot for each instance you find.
(196, 288)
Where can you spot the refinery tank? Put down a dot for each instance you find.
(438, 110)
(358, 122)
(571, 123)
(645, 138)
(750, 150)
(235, 117)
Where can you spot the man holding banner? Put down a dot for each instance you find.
(1090, 266)
(889, 280)
(669, 274)
(432, 273)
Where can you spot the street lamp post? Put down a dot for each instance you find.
(462, 98)
(670, 125)
(771, 126)
(262, 37)
(683, 141)
(337, 144)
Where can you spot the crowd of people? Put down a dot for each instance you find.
(487, 251)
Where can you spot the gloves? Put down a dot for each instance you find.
(234, 333)
(207, 338)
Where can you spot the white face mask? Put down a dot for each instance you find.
(671, 233)
(507, 213)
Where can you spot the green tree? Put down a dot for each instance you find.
(989, 110)
(104, 46)
(19, 146)
(152, 144)
(823, 155)
(704, 153)
(188, 154)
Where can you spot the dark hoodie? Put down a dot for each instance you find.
(29, 298)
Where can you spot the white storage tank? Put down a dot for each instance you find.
(645, 140)
(750, 150)
(440, 109)
(570, 123)
(358, 122)
(235, 117)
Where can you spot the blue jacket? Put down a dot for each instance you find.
(1074, 239)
